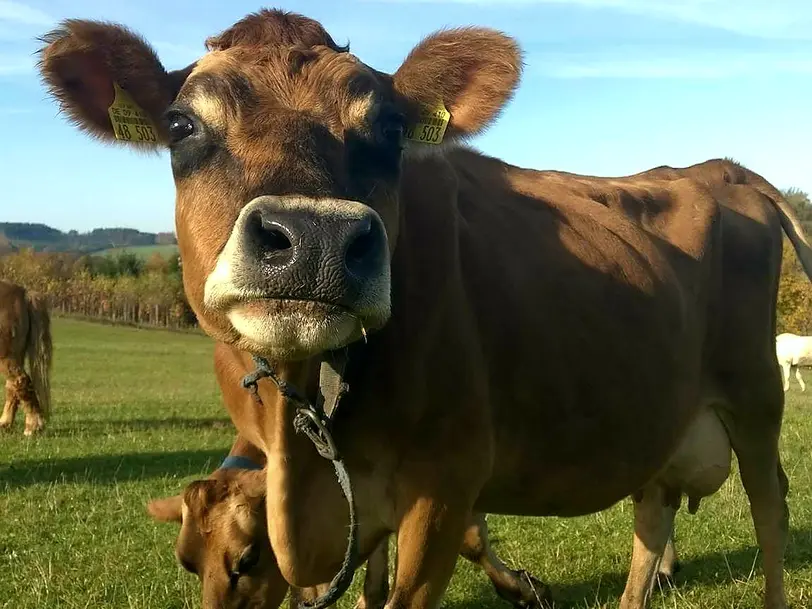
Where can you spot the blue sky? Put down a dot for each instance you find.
(610, 87)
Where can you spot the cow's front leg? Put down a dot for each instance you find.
(429, 540)
(799, 378)
(653, 525)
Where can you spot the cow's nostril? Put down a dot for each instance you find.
(268, 235)
(360, 256)
(275, 240)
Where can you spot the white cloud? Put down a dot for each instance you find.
(761, 18)
(17, 12)
(675, 67)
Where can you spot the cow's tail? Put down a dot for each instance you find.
(795, 232)
(40, 350)
(736, 173)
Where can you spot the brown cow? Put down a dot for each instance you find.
(25, 332)
(314, 208)
(224, 541)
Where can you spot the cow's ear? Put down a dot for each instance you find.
(109, 81)
(252, 484)
(456, 82)
(168, 509)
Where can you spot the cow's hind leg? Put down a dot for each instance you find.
(669, 565)
(18, 386)
(799, 378)
(20, 391)
(34, 419)
(653, 523)
(10, 406)
(754, 425)
(517, 587)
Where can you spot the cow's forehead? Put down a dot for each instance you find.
(295, 78)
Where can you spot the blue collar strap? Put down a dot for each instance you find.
(237, 462)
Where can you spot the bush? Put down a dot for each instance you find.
(120, 289)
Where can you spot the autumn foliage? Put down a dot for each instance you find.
(794, 296)
(120, 289)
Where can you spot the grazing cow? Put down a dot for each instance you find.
(320, 202)
(25, 332)
(793, 351)
(224, 541)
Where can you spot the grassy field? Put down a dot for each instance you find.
(142, 251)
(137, 414)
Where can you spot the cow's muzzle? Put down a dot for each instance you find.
(321, 264)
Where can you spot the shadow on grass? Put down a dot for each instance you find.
(110, 469)
(714, 568)
(106, 426)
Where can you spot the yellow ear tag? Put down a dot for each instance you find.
(130, 122)
(430, 126)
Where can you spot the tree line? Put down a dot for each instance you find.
(127, 289)
(122, 288)
(41, 237)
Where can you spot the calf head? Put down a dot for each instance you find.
(286, 152)
(223, 539)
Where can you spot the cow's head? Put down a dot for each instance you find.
(286, 152)
(224, 541)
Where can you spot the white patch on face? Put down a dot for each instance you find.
(361, 111)
(210, 110)
(290, 334)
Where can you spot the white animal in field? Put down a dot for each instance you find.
(793, 351)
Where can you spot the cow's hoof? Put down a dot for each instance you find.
(34, 430)
(668, 580)
(541, 597)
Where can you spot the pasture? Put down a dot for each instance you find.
(137, 414)
(142, 251)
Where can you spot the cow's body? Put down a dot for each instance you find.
(25, 333)
(793, 351)
(292, 189)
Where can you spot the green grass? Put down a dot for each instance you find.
(137, 414)
(142, 251)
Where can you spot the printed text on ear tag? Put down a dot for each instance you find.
(130, 122)
(430, 126)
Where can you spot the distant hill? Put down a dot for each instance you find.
(43, 238)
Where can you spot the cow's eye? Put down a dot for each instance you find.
(180, 126)
(248, 559)
(391, 127)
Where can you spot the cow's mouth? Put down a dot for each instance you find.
(286, 329)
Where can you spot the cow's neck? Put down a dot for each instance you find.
(301, 485)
